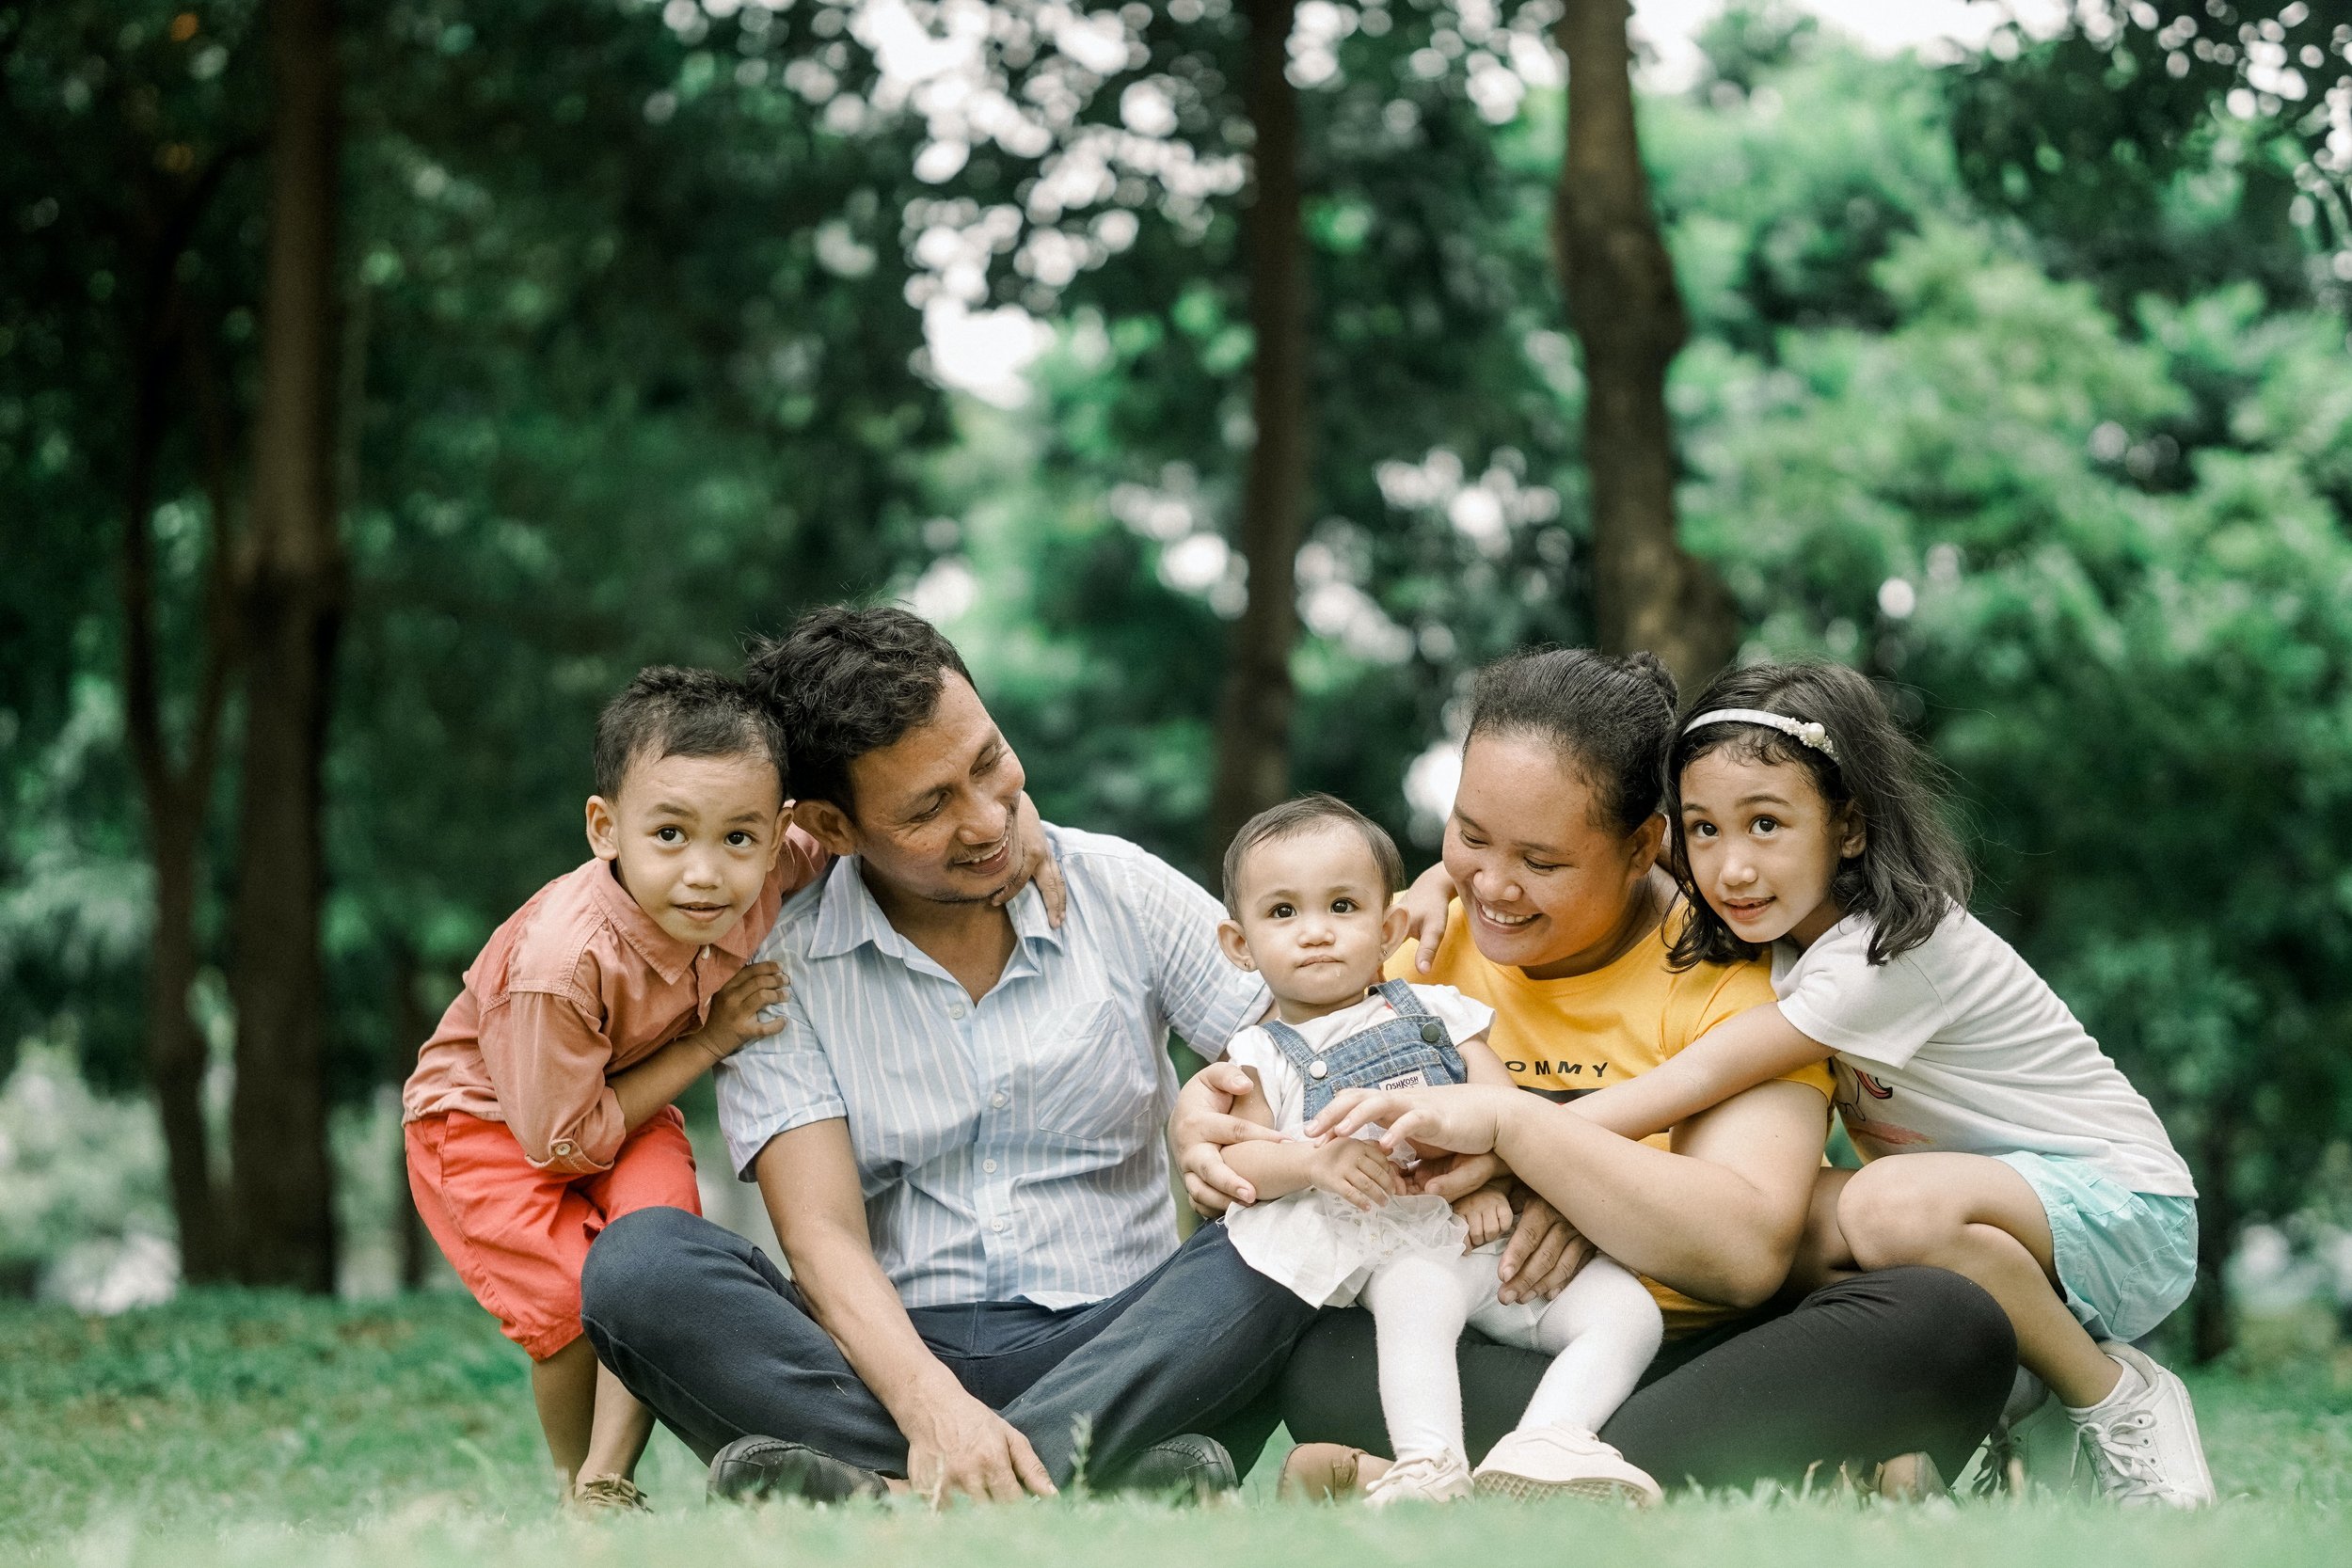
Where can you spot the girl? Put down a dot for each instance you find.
(1803, 823)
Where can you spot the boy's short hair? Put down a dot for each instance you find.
(844, 681)
(670, 712)
(1303, 813)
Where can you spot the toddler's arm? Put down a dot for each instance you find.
(1352, 1169)
(1748, 1049)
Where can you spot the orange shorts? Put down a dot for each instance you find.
(518, 1236)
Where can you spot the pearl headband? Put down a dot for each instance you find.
(1805, 731)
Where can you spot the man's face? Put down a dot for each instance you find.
(934, 810)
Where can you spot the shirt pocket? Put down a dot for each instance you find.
(1091, 1078)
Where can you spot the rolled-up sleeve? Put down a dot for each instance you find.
(547, 1059)
(775, 1084)
(1204, 997)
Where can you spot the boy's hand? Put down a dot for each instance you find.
(1033, 862)
(1354, 1169)
(735, 1019)
(1487, 1213)
(1425, 903)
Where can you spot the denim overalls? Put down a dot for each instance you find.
(1406, 1051)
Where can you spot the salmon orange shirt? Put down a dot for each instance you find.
(578, 985)
(1563, 1038)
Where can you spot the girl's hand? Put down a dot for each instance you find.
(1425, 904)
(735, 1022)
(1487, 1213)
(1460, 1118)
(1354, 1169)
(1033, 862)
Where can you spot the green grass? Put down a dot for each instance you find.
(260, 1430)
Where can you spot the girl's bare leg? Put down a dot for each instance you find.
(564, 1387)
(1978, 1218)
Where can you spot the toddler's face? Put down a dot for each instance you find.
(1314, 919)
(692, 838)
(1763, 845)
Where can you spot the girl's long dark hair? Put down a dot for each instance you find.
(1911, 873)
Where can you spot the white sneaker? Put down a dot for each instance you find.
(1421, 1478)
(1537, 1463)
(2143, 1445)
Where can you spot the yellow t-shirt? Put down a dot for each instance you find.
(1561, 1039)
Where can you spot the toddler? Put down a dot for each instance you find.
(1307, 886)
(1999, 1140)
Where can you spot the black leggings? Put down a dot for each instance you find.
(1872, 1366)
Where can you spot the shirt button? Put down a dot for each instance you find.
(561, 1149)
(956, 1009)
(998, 1227)
(1000, 1101)
(989, 1165)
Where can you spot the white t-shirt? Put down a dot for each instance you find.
(1958, 1046)
(1286, 1089)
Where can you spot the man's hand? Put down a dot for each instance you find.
(1354, 1169)
(958, 1446)
(1425, 904)
(1460, 1118)
(1487, 1213)
(1033, 861)
(1544, 1255)
(735, 1022)
(1200, 1129)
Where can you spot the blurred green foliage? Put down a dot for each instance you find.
(639, 365)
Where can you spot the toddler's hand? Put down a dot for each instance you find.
(1487, 1213)
(1354, 1169)
(735, 1019)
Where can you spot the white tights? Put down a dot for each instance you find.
(1600, 1332)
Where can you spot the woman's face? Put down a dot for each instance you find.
(1545, 885)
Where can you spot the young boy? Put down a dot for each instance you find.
(540, 1110)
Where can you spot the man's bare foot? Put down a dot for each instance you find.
(1326, 1472)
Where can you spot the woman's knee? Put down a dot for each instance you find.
(1948, 1332)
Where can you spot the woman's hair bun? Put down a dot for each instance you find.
(1642, 661)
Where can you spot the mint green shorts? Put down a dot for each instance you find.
(2126, 1258)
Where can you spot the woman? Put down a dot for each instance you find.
(1562, 925)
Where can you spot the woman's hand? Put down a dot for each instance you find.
(1033, 862)
(1544, 1253)
(1459, 1118)
(1457, 1176)
(1425, 904)
(1203, 1125)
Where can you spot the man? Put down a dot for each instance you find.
(958, 1136)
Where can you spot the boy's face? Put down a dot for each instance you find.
(692, 838)
(1314, 920)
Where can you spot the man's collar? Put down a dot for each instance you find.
(848, 916)
(663, 953)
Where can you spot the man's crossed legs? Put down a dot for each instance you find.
(708, 1333)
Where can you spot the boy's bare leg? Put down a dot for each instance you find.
(622, 1427)
(564, 1387)
(1978, 1218)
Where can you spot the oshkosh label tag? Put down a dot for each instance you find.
(1417, 1079)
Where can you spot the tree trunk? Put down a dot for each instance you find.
(291, 592)
(1647, 591)
(175, 800)
(1253, 726)
(2216, 1236)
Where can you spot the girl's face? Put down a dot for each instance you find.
(1763, 845)
(1546, 887)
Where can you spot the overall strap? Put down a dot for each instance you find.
(1292, 1046)
(1434, 1034)
(1399, 994)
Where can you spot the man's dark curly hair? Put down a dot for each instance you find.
(844, 681)
(669, 712)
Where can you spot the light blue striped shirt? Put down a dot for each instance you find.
(1011, 1148)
